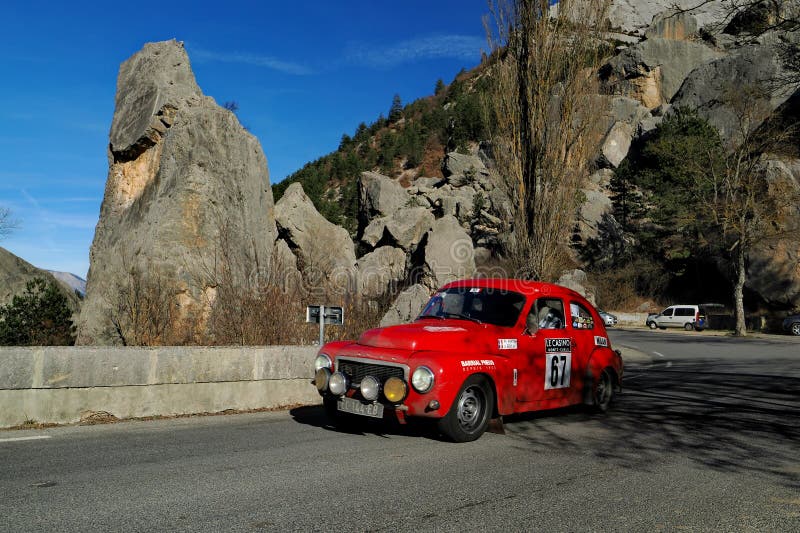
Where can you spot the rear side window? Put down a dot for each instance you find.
(684, 311)
(581, 317)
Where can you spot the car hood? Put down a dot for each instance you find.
(460, 336)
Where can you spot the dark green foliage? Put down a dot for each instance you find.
(396, 111)
(440, 86)
(38, 317)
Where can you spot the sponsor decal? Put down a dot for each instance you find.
(506, 344)
(471, 364)
(600, 341)
(557, 345)
(475, 290)
(440, 329)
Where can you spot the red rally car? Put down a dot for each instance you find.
(480, 349)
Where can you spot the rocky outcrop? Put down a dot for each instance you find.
(616, 144)
(449, 253)
(187, 200)
(379, 195)
(324, 251)
(636, 16)
(15, 273)
(407, 306)
(380, 271)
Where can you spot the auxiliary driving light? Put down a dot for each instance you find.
(338, 384)
(370, 388)
(321, 379)
(395, 389)
(322, 361)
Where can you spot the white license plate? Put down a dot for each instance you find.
(349, 405)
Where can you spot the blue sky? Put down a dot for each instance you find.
(302, 72)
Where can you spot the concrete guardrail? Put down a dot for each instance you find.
(58, 384)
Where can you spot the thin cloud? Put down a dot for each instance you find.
(286, 67)
(422, 48)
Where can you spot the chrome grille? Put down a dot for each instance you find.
(356, 370)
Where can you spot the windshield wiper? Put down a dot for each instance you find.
(464, 317)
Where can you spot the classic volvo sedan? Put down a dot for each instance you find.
(480, 349)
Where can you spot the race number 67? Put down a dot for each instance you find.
(557, 373)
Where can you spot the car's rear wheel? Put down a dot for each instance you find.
(469, 415)
(652, 325)
(688, 326)
(603, 391)
(795, 329)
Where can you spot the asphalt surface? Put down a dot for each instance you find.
(704, 437)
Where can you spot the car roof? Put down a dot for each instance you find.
(528, 288)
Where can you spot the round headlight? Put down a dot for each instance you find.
(370, 388)
(395, 390)
(422, 379)
(321, 379)
(322, 361)
(338, 384)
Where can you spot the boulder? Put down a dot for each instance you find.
(616, 144)
(449, 254)
(577, 281)
(457, 164)
(405, 228)
(325, 252)
(592, 213)
(407, 306)
(187, 200)
(379, 196)
(379, 271)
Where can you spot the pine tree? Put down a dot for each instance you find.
(396, 111)
(439, 87)
(38, 317)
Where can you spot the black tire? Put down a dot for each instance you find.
(662, 327)
(794, 329)
(688, 326)
(652, 325)
(602, 391)
(469, 415)
(331, 407)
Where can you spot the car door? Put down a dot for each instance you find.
(544, 368)
(665, 318)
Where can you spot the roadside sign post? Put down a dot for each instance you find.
(324, 315)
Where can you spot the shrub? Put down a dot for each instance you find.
(39, 317)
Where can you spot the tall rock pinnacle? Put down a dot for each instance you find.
(187, 203)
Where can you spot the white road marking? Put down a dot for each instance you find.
(659, 354)
(34, 437)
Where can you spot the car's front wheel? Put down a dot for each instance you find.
(652, 325)
(469, 415)
(795, 329)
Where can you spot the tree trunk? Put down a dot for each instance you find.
(738, 292)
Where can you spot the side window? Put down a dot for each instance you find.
(667, 311)
(684, 311)
(581, 317)
(545, 313)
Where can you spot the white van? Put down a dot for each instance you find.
(688, 317)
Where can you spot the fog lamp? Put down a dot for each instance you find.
(322, 361)
(321, 379)
(370, 388)
(395, 390)
(338, 384)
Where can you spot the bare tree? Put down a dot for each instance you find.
(546, 116)
(7, 223)
(743, 203)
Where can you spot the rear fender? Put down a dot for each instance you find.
(600, 359)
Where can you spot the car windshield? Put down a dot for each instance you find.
(478, 304)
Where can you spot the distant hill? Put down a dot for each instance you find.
(409, 142)
(72, 281)
(15, 273)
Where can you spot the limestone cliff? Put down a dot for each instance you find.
(187, 202)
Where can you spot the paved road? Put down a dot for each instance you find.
(705, 437)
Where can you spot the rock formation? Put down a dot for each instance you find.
(187, 204)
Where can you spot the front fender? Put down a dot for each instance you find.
(601, 358)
